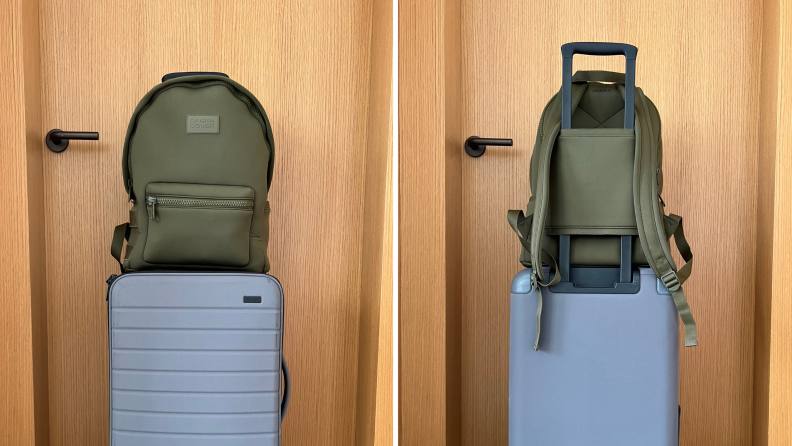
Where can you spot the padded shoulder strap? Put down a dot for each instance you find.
(120, 233)
(650, 222)
(522, 226)
(541, 194)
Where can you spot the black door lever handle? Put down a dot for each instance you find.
(58, 140)
(475, 146)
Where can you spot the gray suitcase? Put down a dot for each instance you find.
(607, 369)
(196, 359)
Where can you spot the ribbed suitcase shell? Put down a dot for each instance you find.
(606, 372)
(193, 364)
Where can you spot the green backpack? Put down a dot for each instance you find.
(596, 179)
(198, 161)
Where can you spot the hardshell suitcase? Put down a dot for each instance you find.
(607, 369)
(196, 359)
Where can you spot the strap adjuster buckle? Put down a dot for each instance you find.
(671, 281)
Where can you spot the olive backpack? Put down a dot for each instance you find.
(197, 166)
(596, 177)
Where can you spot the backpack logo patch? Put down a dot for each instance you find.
(203, 124)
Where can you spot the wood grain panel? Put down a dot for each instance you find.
(454, 261)
(429, 52)
(699, 62)
(421, 246)
(23, 348)
(780, 372)
(384, 408)
(373, 273)
(309, 63)
(765, 218)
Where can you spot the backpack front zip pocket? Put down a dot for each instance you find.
(207, 203)
(198, 224)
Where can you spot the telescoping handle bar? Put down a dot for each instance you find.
(598, 49)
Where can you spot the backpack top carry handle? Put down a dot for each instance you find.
(170, 76)
(598, 49)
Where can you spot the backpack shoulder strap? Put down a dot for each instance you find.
(541, 194)
(120, 233)
(530, 229)
(521, 224)
(652, 224)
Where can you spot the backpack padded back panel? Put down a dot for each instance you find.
(597, 184)
(602, 106)
(195, 359)
(198, 163)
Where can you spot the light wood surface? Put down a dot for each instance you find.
(311, 66)
(780, 371)
(23, 348)
(374, 290)
(384, 409)
(765, 218)
(427, 334)
(700, 62)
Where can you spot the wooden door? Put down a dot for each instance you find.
(322, 71)
(476, 67)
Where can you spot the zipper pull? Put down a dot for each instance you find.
(110, 281)
(152, 202)
(657, 179)
(129, 184)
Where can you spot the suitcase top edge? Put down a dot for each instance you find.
(137, 274)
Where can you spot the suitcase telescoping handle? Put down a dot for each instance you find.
(598, 49)
(286, 388)
(622, 280)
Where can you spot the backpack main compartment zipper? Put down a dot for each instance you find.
(196, 202)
